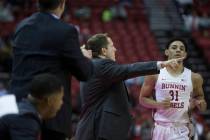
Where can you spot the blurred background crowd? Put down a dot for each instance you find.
(140, 30)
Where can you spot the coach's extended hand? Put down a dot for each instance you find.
(172, 63)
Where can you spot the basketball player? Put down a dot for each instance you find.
(175, 91)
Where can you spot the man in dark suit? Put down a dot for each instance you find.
(43, 102)
(105, 103)
(43, 43)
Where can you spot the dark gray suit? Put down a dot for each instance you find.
(44, 44)
(105, 104)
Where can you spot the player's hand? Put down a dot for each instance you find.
(165, 104)
(192, 104)
(85, 52)
(172, 63)
(201, 104)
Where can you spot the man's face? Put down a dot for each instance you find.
(110, 50)
(55, 103)
(176, 50)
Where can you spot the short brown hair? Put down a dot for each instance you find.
(96, 43)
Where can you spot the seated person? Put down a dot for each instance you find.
(43, 102)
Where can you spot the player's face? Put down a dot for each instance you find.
(176, 50)
(110, 50)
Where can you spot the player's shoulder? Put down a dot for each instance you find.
(196, 77)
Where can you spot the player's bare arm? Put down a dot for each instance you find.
(198, 93)
(146, 93)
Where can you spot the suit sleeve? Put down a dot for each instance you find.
(80, 66)
(24, 128)
(113, 72)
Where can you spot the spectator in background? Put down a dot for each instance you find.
(21, 3)
(3, 90)
(44, 44)
(84, 35)
(5, 12)
(126, 2)
(191, 22)
(83, 13)
(146, 128)
(5, 56)
(118, 11)
(2, 45)
(185, 2)
(194, 22)
(193, 18)
(143, 123)
(204, 21)
(107, 15)
(43, 102)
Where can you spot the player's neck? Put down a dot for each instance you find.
(176, 72)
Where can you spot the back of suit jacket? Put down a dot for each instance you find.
(105, 104)
(26, 125)
(44, 44)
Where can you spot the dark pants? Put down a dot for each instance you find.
(48, 134)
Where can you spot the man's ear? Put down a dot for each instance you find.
(103, 51)
(166, 52)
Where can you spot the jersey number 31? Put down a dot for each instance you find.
(174, 95)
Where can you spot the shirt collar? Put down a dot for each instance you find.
(55, 16)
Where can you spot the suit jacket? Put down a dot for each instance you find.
(44, 44)
(23, 126)
(105, 104)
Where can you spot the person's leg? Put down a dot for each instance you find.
(182, 133)
(48, 134)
